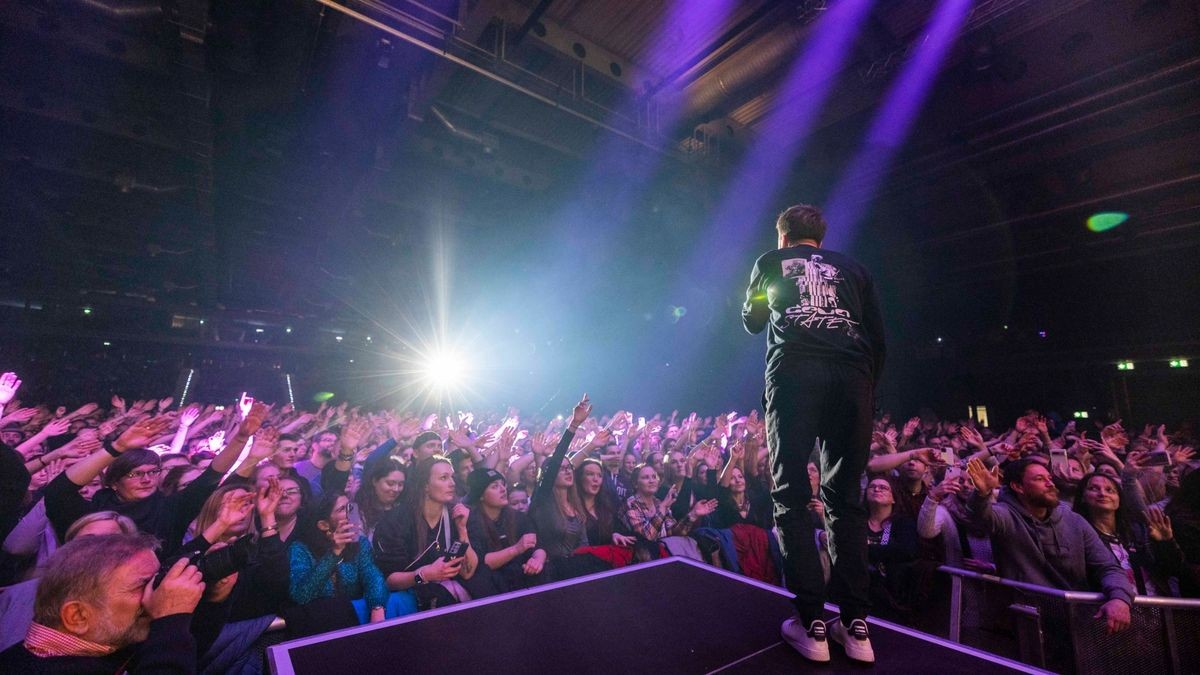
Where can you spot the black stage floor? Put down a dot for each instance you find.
(669, 616)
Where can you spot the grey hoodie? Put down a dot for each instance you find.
(1062, 551)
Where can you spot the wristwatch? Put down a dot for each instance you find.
(417, 580)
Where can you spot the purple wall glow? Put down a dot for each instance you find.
(851, 197)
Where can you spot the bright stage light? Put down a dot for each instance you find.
(445, 370)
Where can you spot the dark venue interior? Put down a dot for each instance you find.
(389, 213)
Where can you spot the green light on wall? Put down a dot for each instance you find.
(1124, 365)
(1081, 414)
(1179, 363)
(1106, 220)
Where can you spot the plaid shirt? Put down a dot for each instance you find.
(649, 524)
(44, 642)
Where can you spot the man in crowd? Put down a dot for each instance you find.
(324, 445)
(825, 352)
(99, 611)
(1038, 540)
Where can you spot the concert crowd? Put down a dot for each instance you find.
(151, 536)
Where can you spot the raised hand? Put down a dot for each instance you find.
(84, 410)
(910, 427)
(948, 486)
(1158, 524)
(703, 508)
(461, 436)
(971, 436)
(141, 433)
(353, 435)
(581, 411)
(20, 415)
(345, 534)
(1114, 436)
(9, 384)
(56, 427)
(253, 421)
(985, 479)
(235, 507)
(267, 498)
(166, 403)
(118, 403)
(264, 444)
(189, 415)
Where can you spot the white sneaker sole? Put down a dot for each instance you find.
(853, 651)
(815, 654)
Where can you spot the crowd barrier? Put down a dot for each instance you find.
(1054, 629)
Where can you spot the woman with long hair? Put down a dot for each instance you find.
(382, 487)
(892, 550)
(556, 509)
(330, 558)
(415, 541)
(599, 506)
(1143, 543)
(504, 537)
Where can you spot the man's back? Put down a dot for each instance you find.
(818, 304)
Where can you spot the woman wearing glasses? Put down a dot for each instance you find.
(131, 483)
(329, 558)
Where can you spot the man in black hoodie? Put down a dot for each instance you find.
(825, 352)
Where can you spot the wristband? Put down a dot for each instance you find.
(111, 450)
(417, 580)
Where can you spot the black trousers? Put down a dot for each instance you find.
(831, 401)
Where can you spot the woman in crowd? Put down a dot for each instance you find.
(502, 536)
(132, 482)
(650, 518)
(1144, 543)
(598, 505)
(329, 557)
(556, 509)
(414, 539)
(944, 513)
(892, 549)
(382, 486)
(744, 507)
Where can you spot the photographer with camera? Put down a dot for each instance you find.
(99, 611)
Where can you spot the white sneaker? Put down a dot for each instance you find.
(854, 639)
(811, 643)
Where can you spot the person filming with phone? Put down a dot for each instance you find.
(330, 557)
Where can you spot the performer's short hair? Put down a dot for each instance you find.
(802, 221)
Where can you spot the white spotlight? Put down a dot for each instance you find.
(445, 370)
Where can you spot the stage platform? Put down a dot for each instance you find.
(670, 616)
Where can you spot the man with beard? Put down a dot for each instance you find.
(98, 611)
(1038, 540)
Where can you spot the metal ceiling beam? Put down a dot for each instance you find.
(445, 53)
(531, 21)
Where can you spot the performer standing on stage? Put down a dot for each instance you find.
(825, 352)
